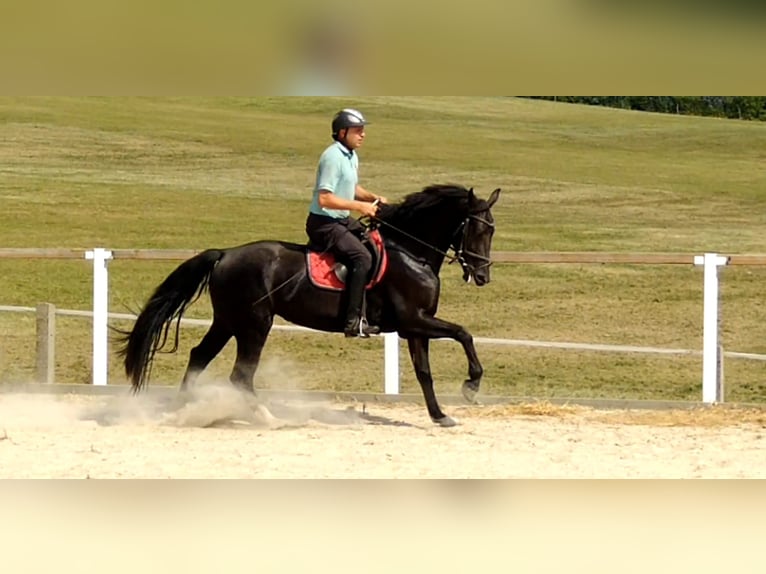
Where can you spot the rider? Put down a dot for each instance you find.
(329, 225)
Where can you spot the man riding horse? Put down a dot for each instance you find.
(329, 224)
(250, 284)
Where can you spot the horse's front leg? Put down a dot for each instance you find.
(418, 347)
(433, 328)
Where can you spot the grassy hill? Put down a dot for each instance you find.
(212, 172)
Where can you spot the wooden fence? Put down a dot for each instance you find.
(497, 256)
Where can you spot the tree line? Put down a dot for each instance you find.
(735, 107)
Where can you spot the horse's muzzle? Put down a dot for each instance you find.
(481, 279)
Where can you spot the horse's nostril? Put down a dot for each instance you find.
(482, 279)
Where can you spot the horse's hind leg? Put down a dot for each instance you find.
(250, 342)
(201, 355)
(418, 347)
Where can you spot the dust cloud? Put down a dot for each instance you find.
(210, 405)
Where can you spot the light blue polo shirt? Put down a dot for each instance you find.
(337, 172)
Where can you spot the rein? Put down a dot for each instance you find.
(459, 252)
(458, 249)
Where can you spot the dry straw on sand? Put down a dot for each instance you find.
(712, 416)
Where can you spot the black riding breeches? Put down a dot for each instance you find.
(341, 238)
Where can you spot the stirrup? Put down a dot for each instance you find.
(361, 329)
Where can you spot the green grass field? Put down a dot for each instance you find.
(192, 173)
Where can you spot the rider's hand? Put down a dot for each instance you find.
(381, 199)
(368, 209)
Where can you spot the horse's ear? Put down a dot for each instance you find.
(493, 198)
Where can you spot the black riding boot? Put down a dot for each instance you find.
(356, 325)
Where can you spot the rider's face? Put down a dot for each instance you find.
(354, 137)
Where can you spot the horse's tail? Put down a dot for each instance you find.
(168, 302)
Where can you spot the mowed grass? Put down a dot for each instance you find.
(192, 173)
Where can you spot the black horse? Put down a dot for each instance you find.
(252, 283)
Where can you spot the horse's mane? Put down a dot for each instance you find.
(412, 207)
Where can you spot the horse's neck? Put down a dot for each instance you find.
(428, 245)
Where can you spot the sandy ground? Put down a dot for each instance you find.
(216, 434)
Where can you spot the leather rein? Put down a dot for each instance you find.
(457, 245)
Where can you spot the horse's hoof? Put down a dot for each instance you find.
(445, 422)
(470, 390)
(262, 415)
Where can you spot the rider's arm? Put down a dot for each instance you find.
(329, 200)
(364, 195)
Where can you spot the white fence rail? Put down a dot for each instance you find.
(712, 375)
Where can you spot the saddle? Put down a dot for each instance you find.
(327, 273)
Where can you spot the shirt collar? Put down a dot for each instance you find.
(344, 150)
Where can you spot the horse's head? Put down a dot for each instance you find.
(473, 240)
(443, 217)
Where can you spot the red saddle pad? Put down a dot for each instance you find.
(321, 266)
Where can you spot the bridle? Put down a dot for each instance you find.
(460, 250)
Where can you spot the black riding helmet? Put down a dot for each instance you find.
(347, 118)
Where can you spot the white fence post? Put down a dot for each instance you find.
(391, 361)
(712, 391)
(100, 258)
